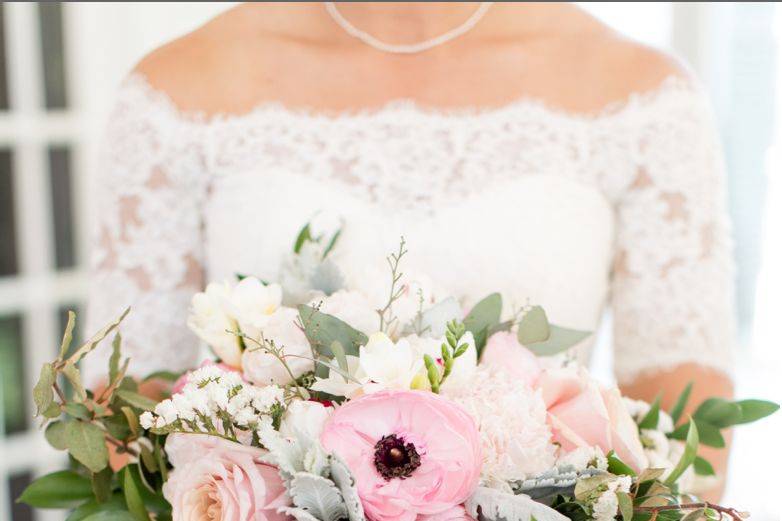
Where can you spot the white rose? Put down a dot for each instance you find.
(304, 420)
(252, 304)
(353, 308)
(389, 365)
(209, 320)
(262, 368)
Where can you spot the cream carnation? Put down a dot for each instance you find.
(511, 418)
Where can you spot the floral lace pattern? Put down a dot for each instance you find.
(655, 158)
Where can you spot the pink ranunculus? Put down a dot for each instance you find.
(412, 452)
(503, 352)
(182, 380)
(583, 414)
(457, 513)
(217, 479)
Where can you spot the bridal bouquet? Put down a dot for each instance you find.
(327, 402)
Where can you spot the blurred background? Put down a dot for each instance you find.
(59, 68)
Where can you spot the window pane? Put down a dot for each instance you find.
(62, 206)
(3, 73)
(12, 371)
(16, 485)
(50, 19)
(8, 264)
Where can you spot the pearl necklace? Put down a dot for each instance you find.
(409, 48)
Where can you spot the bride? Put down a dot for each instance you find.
(521, 146)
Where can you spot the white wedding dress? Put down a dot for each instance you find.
(574, 212)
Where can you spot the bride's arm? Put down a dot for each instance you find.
(673, 277)
(147, 244)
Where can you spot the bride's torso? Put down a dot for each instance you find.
(546, 205)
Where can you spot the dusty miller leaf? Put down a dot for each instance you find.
(318, 496)
(342, 477)
(496, 505)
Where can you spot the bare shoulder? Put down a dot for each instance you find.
(208, 69)
(622, 66)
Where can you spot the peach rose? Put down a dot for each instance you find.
(582, 414)
(503, 352)
(217, 479)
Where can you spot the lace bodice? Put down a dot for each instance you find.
(570, 211)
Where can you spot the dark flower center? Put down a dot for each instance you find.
(394, 458)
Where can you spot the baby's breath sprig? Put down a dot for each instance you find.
(450, 350)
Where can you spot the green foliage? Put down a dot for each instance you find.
(62, 489)
(323, 330)
(625, 505)
(545, 339)
(482, 318)
(681, 403)
(651, 418)
(131, 486)
(688, 458)
(43, 395)
(617, 466)
(86, 443)
(702, 467)
(450, 350)
(304, 235)
(136, 400)
(753, 410)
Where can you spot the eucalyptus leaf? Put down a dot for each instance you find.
(137, 400)
(560, 339)
(93, 342)
(433, 321)
(534, 326)
(77, 410)
(625, 505)
(62, 489)
(43, 395)
(86, 443)
(322, 330)
(56, 435)
(116, 352)
(67, 336)
(681, 403)
(689, 455)
(482, 318)
(339, 355)
(72, 373)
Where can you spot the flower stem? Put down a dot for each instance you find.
(732, 512)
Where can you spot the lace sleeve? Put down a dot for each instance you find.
(147, 246)
(673, 279)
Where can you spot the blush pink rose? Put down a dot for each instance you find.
(503, 352)
(583, 414)
(412, 452)
(182, 380)
(217, 479)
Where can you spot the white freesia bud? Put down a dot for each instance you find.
(389, 365)
(209, 320)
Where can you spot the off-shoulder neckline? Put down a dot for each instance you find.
(401, 108)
